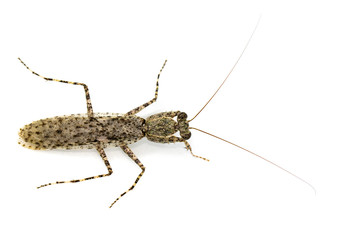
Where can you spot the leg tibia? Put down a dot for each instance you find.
(128, 151)
(107, 164)
(138, 109)
(87, 94)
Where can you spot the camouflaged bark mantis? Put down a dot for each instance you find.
(101, 130)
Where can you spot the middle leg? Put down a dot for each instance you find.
(138, 109)
(130, 153)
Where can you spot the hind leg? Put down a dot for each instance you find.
(107, 164)
(87, 94)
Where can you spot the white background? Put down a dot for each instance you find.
(293, 98)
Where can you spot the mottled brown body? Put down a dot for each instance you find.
(80, 131)
(101, 130)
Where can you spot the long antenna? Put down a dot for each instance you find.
(230, 70)
(257, 156)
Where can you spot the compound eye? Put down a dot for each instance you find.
(186, 136)
(182, 116)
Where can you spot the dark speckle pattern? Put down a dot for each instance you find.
(101, 130)
(78, 131)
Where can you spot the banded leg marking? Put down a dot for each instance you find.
(130, 153)
(138, 109)
(188, 147)
(107, 164)
(87, 93)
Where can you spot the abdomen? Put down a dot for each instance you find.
(79, 131)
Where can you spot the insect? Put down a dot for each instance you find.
(101, 130)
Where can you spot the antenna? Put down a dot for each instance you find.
(257, 156)
(252, 34)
